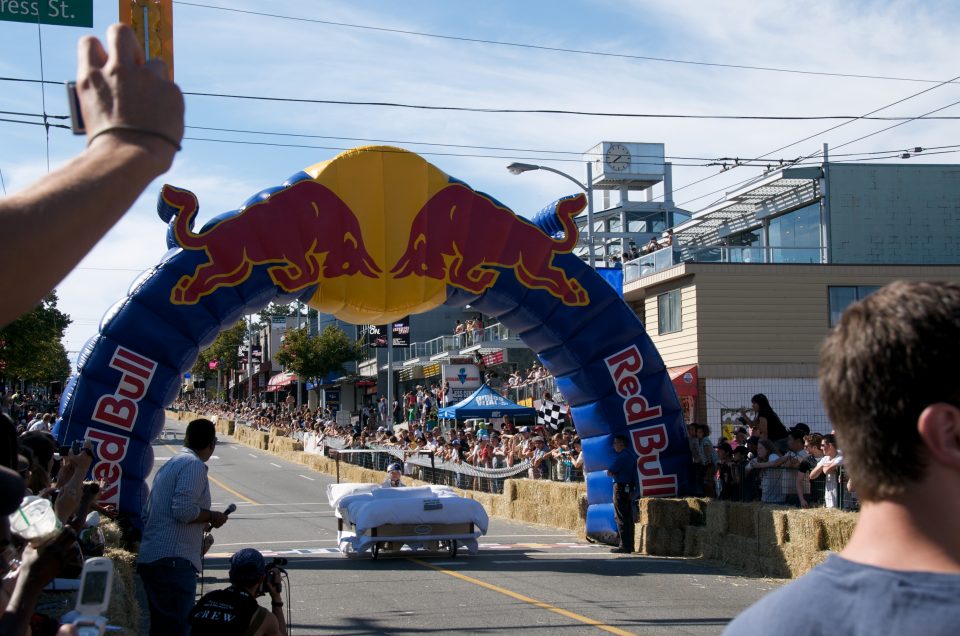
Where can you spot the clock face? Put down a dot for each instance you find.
(618, 157)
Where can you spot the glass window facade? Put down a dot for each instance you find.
(795, 236)
(841, 297)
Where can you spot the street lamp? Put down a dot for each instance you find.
(520, 168)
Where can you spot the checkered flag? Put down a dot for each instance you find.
(551, 414)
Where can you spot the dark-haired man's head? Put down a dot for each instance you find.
(620, 442)
(888, 382)
(201, 438)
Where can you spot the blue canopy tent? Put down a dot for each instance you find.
(485, 403)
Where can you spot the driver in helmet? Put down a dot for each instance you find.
(394, 473)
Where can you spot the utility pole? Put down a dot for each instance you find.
(298, 375)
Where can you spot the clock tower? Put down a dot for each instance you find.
(630, 165)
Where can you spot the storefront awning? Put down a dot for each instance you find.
(281, 380)
(684, 380)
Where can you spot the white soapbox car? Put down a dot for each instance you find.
(426, 519)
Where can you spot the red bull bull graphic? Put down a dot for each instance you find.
(327, 242)
(460, 236)
(371, 236)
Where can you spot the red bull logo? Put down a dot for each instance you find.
(305, 232)
(460, 236)
(324, 231)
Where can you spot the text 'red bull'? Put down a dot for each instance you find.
(648, 441)
(461, 236)
(118, 411)
(305, 232)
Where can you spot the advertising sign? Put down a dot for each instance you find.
(462, 380)
(377, 334)
(331, 399)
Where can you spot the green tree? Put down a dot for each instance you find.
(316, 358)
(31, 347)
(225, 349)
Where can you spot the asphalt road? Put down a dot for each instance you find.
(526, 579)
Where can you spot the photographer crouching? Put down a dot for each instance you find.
(235, 610)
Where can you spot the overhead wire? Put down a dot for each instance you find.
(817, 134)
(555, 49)
(43, 91)
(528, 111)
(675, 159)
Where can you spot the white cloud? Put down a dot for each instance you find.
(231, 53)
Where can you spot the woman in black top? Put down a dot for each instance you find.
(767, 420)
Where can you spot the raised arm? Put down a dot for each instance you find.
(134, 121)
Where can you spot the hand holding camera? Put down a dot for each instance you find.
(272, 579)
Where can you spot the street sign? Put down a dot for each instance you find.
(74, 13)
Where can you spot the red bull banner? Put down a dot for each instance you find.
(371, 236)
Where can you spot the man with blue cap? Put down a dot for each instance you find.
(392, 480)
(235, 610)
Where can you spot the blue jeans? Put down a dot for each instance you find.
(171, 586)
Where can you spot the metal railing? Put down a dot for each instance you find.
(775, 486)
(668, 257)
(534, 390)
(428, 467)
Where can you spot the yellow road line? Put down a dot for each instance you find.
(223, 485)
(526, 599)
(229, 489)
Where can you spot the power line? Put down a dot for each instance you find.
(35, 123)
(428, 153)
(710, 161)
(529, 111)
(832, 128)
(538, 111)
(542, 151)
(11, 112)
(556, 49)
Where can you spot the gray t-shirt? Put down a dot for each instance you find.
(843, 597)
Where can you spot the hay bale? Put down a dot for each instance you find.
(710, 544)
(772, 530)
(799, 561)
(742, 519)
(546, 502)
(838, 526)
(697, 508)
(661, 541)
(111, 532)
(664, 513)
(807, 531)
(740, 553)
(693, 541)
(124, 611)
(716, 516)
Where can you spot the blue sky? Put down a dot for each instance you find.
(229, 52)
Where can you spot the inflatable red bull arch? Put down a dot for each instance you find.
(370, 236)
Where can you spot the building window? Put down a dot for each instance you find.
(668, 310)
(842, 297)
(795, 237)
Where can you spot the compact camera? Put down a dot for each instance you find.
(272, 574)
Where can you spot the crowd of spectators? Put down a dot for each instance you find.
(765, 461)
(552, 456)
(35, 472)
(534, 374)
